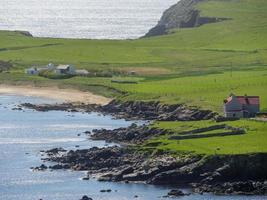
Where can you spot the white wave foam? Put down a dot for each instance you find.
(13, 126)
(74, 126)
(38, 141)
(35, 182)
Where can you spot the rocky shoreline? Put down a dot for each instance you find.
(231, 174)
(135, 134)
(132, 110)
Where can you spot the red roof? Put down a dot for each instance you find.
(246, 100)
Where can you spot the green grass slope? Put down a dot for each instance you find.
(238, 42)
(201, 66)
(253, 141)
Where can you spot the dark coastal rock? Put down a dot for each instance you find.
(69, 107)
(25, 33)
(132, 134)
(108, 190)
(42, 167)
(56, 151)
(218, 174)
(155, 111)
(86, 198)
(176, 193)
(97, 159)
(17, 108)
(183, 175)
(184, 14)
(86, 178)
(59, 166)
(237, 188)
(133, 110)
(135, 134)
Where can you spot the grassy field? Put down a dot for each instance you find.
(253, 141)
(204, 91)
(236, 43)
(195, 66)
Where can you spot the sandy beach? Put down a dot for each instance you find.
(67, 95)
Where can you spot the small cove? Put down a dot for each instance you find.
(23, 134)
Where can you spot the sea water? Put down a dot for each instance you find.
(94, 19)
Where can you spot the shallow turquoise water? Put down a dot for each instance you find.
(24, 133)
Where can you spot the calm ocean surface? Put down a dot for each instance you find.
(95, 19)
(24, 133)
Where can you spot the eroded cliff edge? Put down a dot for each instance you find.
(184, 14)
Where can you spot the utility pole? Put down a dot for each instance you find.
(231, 65)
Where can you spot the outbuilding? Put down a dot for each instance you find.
(65, 69)
(241, 106)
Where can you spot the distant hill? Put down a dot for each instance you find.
(184, 14)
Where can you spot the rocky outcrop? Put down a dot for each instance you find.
(69, 107)
(116, 163)
(218, 169)
(235, 188)
(155, 111)
(184, 14)
(239, 174)
(133, 134)
(133, 110)
(86, 198)
(97, 160)
(176, 193)
(25, 33)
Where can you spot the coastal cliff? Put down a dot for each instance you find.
(184, 14)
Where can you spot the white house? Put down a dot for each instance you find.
(65, 69)
(59, 70)
(50, 66)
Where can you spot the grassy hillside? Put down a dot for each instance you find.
(238, 42)
(254, 140)
(197, 66)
